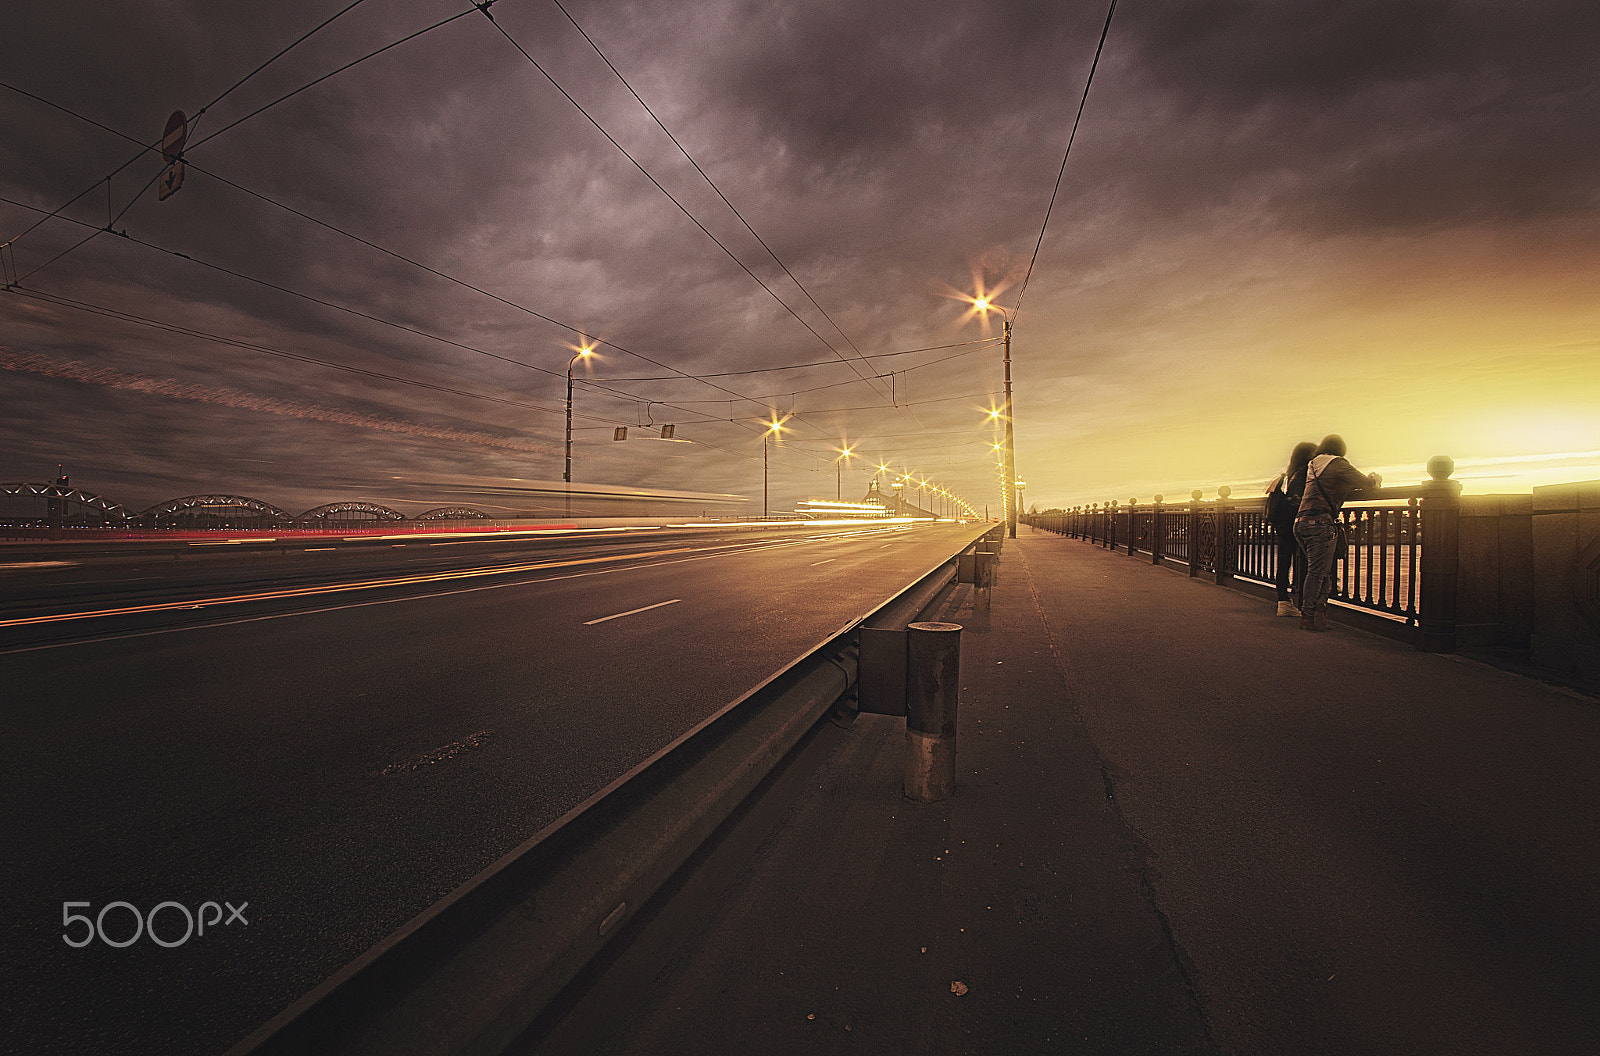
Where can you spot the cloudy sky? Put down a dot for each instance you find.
(1278, 219)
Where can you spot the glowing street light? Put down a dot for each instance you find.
(984, 304)
(584, 352)
(774, 428)
(844, 456)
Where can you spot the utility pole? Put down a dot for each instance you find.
(1011, 450)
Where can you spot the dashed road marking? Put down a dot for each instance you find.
(630, 612)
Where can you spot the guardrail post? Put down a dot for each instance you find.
(933, 679)
(1133, 525)
(983, 578)
(1441, 516)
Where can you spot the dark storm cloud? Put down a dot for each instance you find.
(1376, 115)
(886, 151)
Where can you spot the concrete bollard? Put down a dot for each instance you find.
(983, 579)
(933, 681)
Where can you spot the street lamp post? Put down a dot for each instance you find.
(984, 304)
(773, 428)
(1011, 449)
(838, 464)
(583, 353)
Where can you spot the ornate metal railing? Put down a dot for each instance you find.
(1400, 561)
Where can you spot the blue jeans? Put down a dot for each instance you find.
(1289, 559)
(1316, 535)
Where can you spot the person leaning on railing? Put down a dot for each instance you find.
(1283, 504)
(1330, 479)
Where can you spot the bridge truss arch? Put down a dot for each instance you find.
(214, 511)
(351, 511)
(453, 513)
(27, 502)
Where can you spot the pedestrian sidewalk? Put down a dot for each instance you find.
(1181, 825)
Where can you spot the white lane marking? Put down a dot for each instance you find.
(630, 612)
(37, 564)
(432, 595)
(814, 564)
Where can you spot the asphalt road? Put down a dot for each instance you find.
(340, 759)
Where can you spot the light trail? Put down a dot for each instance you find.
(331, 588)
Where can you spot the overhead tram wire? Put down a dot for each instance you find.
(712, 184)
(335, 228)
(836, 385)
(822, 363)
(391, 253)
(351, 311)
(1104, 32)
(334, 73)
(146, 148)
(576, 331)
(110, 225)
(135, 239)
(271, 350)
(692, 218)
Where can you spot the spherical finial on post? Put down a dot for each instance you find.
(1441, 466)
(1195, 494)
(1224, 491)
(1159, 497)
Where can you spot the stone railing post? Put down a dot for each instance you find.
(1441, 558)
(1222, 565)
(1157, 540)
(1111, 525)
(1195, 547)
(1133, 525)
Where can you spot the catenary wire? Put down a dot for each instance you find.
(709, 182)
(614, 393)
(335, 228)
(254, 346)
(692, 218)
(145, 148)
(595, 384)
(1104, 31)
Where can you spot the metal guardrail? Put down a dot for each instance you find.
(1402, 561)
(474, 971)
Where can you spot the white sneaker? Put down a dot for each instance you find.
(1286, 608)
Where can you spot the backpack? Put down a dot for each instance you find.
(1282, 504)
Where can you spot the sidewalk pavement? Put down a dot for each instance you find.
(1181, 825)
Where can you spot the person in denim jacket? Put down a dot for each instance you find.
(1330, 480)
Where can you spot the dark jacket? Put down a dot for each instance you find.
(1283, 498)
(1337, 479)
